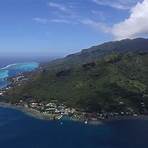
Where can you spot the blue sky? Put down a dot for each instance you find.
(60, 27)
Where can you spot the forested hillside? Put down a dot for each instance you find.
(113, 82)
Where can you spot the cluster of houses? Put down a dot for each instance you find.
(58, 111)
(18, 80)
(13, 81)
(1, 93)
(52, 109)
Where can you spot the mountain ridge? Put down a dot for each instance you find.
(94, 52)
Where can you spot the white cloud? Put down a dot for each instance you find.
(135, 25)
(40, 20)
(98, 14)
(118, 4)
(47, 21)
(97, 25)
(60, 21)
(58, 6)
(62, 14)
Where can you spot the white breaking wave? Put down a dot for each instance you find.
(8, 66)
(15, 64)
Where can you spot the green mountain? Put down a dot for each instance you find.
(109, 77)
(95, 52)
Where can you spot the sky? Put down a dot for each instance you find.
(60, 27)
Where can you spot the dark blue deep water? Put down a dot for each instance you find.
(18, 130)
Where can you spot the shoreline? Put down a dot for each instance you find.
(41, 116)
(15, 64)
(28, 111)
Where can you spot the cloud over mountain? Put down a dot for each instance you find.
(135, 25)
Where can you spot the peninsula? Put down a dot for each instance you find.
(103, 82)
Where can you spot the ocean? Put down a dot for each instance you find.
(18, 130)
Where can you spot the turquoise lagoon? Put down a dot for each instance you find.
(15, 69)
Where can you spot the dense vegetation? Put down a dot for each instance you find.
(96, 52)
(117, 81)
